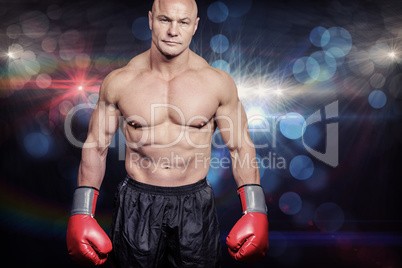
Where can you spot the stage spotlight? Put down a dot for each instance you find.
(392, 55)
(80, 88)
(15, 51)
(256, 116)
(278, 91)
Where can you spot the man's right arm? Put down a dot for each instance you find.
(87, 243)
(103, 125)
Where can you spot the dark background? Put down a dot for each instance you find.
(343, 216)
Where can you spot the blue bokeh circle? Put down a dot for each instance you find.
(377, 99)
(217, 12)
(292, 125)
(219, 43)
(301, 167)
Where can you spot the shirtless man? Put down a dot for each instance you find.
(172, 101)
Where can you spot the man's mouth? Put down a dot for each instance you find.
(170, 42)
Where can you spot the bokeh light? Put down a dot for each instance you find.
(301, 167)
(82, 60)
(377, 80)
(217, 12)
(13, 31)
(140, 29)
(377, 99)
(65, 107)
(306, 69)
(49, 44)
(43, 80)
(290, 203)
(337, 41)
(36, 144)
(329, 217)
(70, 43)
(35, 24)
(292, 125)
(326, 66)
(316, 35)
(221, 65)
(219, 43)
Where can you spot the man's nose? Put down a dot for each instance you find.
(173, 31)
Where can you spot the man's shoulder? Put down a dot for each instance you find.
(222, 83)
(120, 78)
(222, 80)
(125, 74)
(210, 73)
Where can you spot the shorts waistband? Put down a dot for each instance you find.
(161, 190)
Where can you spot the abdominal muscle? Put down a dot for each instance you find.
(163, 164)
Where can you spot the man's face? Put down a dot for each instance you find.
(173, 23)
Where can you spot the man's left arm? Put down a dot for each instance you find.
(248, 239)
(232, 123)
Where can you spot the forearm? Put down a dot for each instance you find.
(87, 243)
(245, 166)
(92, 167)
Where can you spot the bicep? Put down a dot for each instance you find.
(104, 120)
(103, 124)
(231, 118)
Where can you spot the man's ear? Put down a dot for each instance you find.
(150, 19)
(196, 25)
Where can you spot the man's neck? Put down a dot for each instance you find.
(168, 67)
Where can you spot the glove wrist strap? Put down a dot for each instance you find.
(252, 198)
(84, 201)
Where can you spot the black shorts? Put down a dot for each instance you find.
(165, 226)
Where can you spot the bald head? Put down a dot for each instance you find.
(188, 6)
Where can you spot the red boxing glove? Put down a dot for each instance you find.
(248, 239)
(87, 243)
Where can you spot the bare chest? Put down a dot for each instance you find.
(185, 100)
